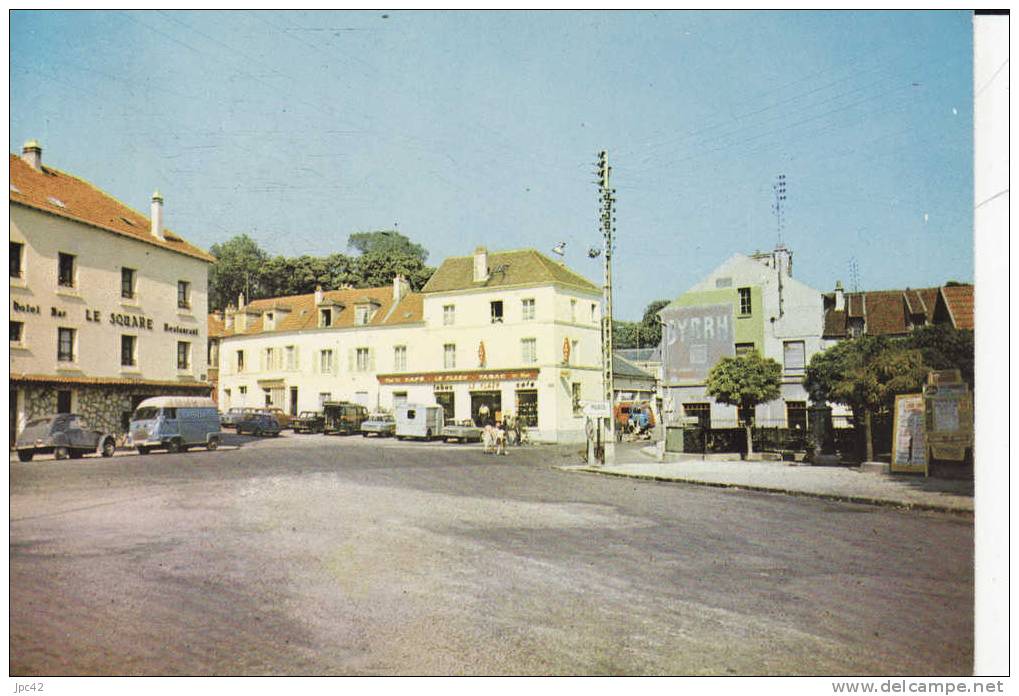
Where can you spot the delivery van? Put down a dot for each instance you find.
(175, 423)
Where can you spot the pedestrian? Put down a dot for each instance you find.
(487, 439)
(517, 433)
(500, 439)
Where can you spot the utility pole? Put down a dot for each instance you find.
(608, 220)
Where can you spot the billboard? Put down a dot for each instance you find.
(694, 339)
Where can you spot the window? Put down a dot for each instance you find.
(65, 270)
(291, 358)
(325, 317)
(183, 355)
(796, 415)
(363, 359)
(127, 283)
(497, 312)
(183, 294)
(573, 352)
(527, 407)
(575, 394)
(325, 362)
(363, 314)
(700, 411)
(65, 345)
(794, 357)
(573, 310)
(240, 361)
(448, 315)
(594, 312)
(528, 350)
(527, 309)
(17, 248)
(242, 390)
(745, 307)
(399, 358)
(269, 359)
(449, 356)
(744, 349)
(324, 397)
(17, 329)
(127, 346)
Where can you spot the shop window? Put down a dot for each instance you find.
(496, 311)
(17, 253)
(399, 399)
(127, 283)
(527, 407)
(65, 345)
(65, 270)
(796, 415)
(445, 399)
(745, 305)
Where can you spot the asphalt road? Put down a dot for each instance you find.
(315, 555)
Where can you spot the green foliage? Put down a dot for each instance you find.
(242, 266)
(646, 333)
(386, 242)
(238, 267)
(745, 380)
(945, 347)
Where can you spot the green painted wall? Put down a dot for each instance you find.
(749, 328)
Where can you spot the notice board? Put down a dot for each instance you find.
(909, 435)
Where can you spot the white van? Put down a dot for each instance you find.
(175, 423)
(419, 420)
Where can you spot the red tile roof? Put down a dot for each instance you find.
(300, 312)
(52, 191)
(959, 300)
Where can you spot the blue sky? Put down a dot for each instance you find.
(483, 128)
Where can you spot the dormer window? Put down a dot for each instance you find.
(325, 317)
(363, 314)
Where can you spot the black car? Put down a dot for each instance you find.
(308, 422)
(258, 424)
(65, 435)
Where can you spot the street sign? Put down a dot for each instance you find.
(596, 409)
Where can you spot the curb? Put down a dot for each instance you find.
(860, 500)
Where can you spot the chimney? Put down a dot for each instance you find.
(840, 297)
(784, 260)
(157, 216)
(319, 295)
(229, 320)
(31, 153)
(480, 265)
(400, 288)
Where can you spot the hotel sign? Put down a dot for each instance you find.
(471, 376)
(695, 339)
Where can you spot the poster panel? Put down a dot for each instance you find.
(695, 339)
(909, 441)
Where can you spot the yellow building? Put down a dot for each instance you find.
(107, 307)
(511, 331)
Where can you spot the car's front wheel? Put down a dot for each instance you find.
(109, 447)
(60, 453)
(142, 450)
(213, 444)
(173, 446)
(25, 455)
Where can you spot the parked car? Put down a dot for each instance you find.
(308, 422)
(343, 417)
(465, 431)
(281, 416)
(379, 424)
(232, 415)
(419, 420)
(258, 424)
(175, 423)
(65, 435)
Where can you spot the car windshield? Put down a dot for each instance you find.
(147, 413)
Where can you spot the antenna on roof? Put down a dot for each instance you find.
(779, 190)
(854, 274)
(559, 249)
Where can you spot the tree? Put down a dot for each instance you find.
(375, 269)
(865, 373)
(745, 381)
(386, 242)
(646, 333)
(238, 268)
(945, 347)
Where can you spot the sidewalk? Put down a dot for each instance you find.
(844, 483)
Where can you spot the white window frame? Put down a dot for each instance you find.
(527, 309)
(449, 356)
(399, 358)
(529, 350)
(448, 315)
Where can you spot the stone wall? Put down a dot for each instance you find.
(102, 406)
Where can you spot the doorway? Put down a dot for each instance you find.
(491, 401)
(448, 403)
(293, 401)
(64, 401)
